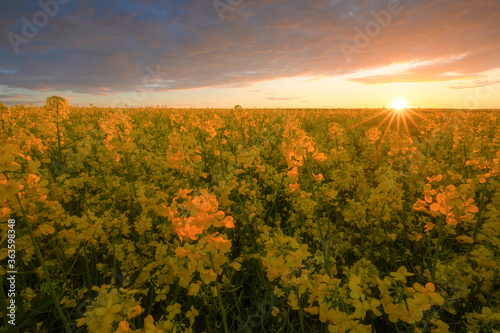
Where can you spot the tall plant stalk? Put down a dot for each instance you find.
(44, 268)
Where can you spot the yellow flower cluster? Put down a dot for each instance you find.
(163, 220)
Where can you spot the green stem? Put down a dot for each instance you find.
(247, 226)
(220, 155)
(3, 303)
(440, 236)
(100, 170)
(114, 258)
(372, 231)
(301, 315)
(465, 163)
(58, 135)
(59, 143)
(492, 287)
(219, 298)
(481, 208)
(44, 268)
(87, 270)
(127, 165)
(275, 201)
(322, 239)
(188, 172)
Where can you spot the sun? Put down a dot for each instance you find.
(398, 114)
(399, 103)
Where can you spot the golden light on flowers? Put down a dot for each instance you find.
(398, 116)
(179, 224)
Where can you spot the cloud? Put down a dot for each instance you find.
(23, 101)
(281, 98)
(475, 84)
(9, 96)
(107, 47)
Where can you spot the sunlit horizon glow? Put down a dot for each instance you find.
(399, 104)
(398, 115)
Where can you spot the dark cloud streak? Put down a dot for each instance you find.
(104, 47)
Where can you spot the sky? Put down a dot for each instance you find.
(253, 53)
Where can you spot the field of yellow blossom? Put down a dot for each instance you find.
(209, 220)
